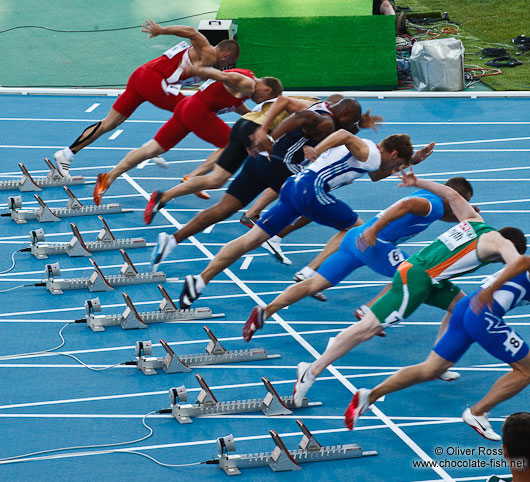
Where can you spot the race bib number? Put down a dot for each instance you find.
(458, 235)
(206, 84)
(176, 49)
(513, 343)
(395, 257)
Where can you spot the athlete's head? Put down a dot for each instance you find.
(516, 236)
(334, 98)
(266, 88)
(396, 150)
(346, 114)
(227, 52)
(516, 442)
(463, 187)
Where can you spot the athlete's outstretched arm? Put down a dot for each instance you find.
(460, 207)
(305, 119)
(281, 104)
(415, 205)
(233, 80)
(342, 137)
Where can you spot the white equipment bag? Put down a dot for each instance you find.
(438, 65)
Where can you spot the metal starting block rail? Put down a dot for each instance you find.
(28, 183)
(207, 404)
(45, 214)
(97, 281)
(105, 241)
(281, 459)
(173, 363)
(132, 319)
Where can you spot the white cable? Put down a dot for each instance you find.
(17, 457)
(10, 357)
(12, 264)
(88, 366)
(158, 461)
(14, 288)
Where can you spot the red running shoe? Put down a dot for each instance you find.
(359, 403)
(255, 322)
(153, 206)
(102, 184)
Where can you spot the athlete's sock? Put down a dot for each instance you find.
(199, 283)
(68, 154)
(310, 375)
(307, 272)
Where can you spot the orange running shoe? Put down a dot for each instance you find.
(200, 194)
(100, 188)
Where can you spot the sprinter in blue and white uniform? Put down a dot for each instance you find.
(307, 194)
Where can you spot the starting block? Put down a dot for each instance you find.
(105, 241)
(207, 404)
(97, 281)
(45, 214)
(28, 183)
(132, 319)
(281, 459)
(215, 354)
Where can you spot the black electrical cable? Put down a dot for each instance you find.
(102, 30)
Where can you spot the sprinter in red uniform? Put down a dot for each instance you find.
(158, 81)
(223, 91)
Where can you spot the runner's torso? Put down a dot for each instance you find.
(214, 94)
(289, 147)
(409, 225)
(513, 293)
(337, 167)
(172, 65)
(453, 253)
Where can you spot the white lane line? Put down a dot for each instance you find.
(115, 134)
(146, 121)
(400, 433)
(209, 229)
(90, 109)
(106, 148)
(477, 141)
(143, 164)
(246, 416)
(246, 262)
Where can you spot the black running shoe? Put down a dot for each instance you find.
(247, 221)
(153, 206)
(189, 293)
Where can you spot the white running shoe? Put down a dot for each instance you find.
(358, 405)
(162, 250)
(276, 250)
(299, 276)
(62, 163)
(303, 384)
(481, 425)
(449, 376)
(160, 162)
